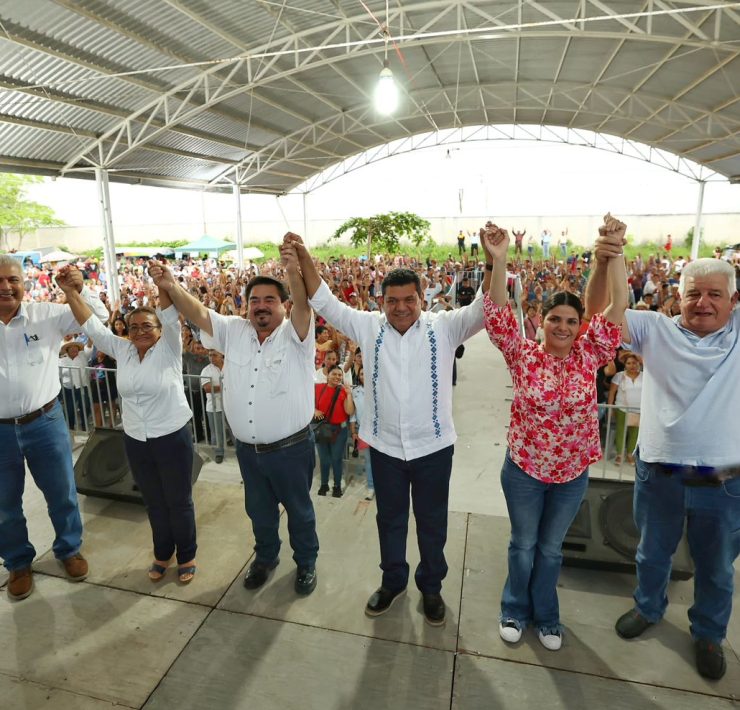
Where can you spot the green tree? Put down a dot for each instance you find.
(385, 231)
(18, 214)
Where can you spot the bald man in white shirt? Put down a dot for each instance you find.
(408, 357)
(32, 426)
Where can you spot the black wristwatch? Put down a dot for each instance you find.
(489, 267)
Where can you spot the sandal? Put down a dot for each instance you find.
(618, 460)
(186, 574)
(156, 572)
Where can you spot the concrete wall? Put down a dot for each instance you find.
(717, 229)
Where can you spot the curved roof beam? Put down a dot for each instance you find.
(173, 110)
(288, 147)
(540, 134)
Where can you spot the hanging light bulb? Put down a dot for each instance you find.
(386, 92)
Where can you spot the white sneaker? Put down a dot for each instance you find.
(510, 630)
(551, 639)
(370, 494)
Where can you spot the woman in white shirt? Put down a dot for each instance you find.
(155, 413)
(626, 391)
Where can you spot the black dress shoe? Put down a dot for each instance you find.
(323, 489)
(305, 581)
(381, 600)
(434, 609)
(710, 659)
(631, 624)
(258, 573)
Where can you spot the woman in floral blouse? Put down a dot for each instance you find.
(553, 435)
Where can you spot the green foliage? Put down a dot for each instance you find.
(19, 215)
(159, 243)
(385, 232)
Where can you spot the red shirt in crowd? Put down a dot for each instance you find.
(324, 397)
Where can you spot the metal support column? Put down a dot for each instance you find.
(305, 218)
(697, 223)
(239, 236)
(109, 244)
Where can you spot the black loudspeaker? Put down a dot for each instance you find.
(603, 534)
(102, 468)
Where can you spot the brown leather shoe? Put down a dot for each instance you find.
(75, 567)
(20, 584)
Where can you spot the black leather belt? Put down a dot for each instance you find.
(31, 416)
(296, 438)
(698, 475)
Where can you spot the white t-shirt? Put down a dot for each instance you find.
(211, 375)
(629, 391)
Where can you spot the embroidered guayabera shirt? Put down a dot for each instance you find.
(408, 378)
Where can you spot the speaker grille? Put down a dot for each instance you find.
(617, 525)
(106, 463)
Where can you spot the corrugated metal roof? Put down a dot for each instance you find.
(76, 77)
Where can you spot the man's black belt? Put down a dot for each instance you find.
(296, 438)
(698, 475)
(31, 416)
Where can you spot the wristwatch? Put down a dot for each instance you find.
(489, 267)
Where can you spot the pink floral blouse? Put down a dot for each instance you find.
(554, 430)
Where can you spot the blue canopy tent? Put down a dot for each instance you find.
(209, 245)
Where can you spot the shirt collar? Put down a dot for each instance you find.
(22, 313)
(416, 324)
(694, 338)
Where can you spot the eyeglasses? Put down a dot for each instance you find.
(144, 328)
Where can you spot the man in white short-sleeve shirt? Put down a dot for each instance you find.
(268, 399)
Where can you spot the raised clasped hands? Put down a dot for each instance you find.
(288, 255)
(69, 279)
(161, 275)
(495, 241)
(611, 240)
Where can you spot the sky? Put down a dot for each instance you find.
(492, 178)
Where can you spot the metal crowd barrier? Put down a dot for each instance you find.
(608, 429)
(95, 403)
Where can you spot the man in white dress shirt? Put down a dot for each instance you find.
(32, 427)
(268, 398)
(407, 421)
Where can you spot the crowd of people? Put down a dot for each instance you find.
(282, 350)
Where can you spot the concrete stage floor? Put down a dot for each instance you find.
(118, 640)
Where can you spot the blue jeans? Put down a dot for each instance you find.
(428, 478)
(216, 427)
(163, 469)
(661, 506)
(540, 515)
(77, 405)
(280, 476)
(368, 468)
(44, 443)
(331, 456)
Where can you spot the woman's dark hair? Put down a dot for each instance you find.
(267, 281)
(113, 325)
(401, 277)
(563, 298)
(332, 368)
(143, 309)
(319, 330)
